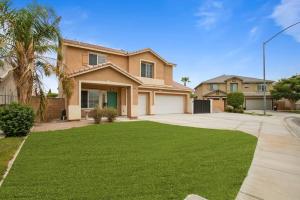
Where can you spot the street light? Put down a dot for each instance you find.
(264, 60)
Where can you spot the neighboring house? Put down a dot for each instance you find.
(135, 83)
(217, 88)
(8, 90)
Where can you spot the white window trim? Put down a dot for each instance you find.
(88, 106)
(260, 87)
(104, 55)
(211, 86)
(237, 87)
(154, 68)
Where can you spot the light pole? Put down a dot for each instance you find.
(264, 60)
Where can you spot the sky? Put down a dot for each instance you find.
(205, 38)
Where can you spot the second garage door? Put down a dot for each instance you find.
(168, 104)
(258, 104)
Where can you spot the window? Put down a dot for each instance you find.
(147, 69)
(233, 87)
(260, 87)
(89, 98)
(95, 59)
(214, 87)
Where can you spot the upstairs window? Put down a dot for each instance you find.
(95, 59)
(233, 87)
(214, 87)
(261, 87)
(147, 69)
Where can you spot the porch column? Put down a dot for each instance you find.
(132, 101)
(74, 110)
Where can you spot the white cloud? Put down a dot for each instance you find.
(287, 13)
(253, 30)
(210, 13)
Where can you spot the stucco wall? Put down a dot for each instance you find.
(76, 58)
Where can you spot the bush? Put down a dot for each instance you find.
(229, 108)
(111, 114)
(235, 99)
(16, 119)
(234, 110)
(98, 113)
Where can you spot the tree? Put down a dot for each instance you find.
(185, 80)
(235, 99)
(287, 88)
(27, 35)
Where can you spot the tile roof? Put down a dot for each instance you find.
(102, 66)
(223, 78)
(177, 85)
(116, 51)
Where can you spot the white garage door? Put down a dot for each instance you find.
(142, 108)
(167, 104)
(258, 104)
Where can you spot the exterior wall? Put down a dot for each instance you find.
(100, 76)
(218, 105)
(234, 80)
(75, 58)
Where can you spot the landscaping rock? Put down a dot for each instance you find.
(194, 197)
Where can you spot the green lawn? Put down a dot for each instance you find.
(8, 147)
(130, 161)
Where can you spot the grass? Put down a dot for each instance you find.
(8, 147)
(130, 161)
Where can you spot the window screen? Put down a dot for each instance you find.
(92, 59)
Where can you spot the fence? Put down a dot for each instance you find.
(202, 106)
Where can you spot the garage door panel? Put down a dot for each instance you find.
(258, 104)
(168, 104)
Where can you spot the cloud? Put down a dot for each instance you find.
(287, 13)
(253, 31)
(74, 15)
(210, 13)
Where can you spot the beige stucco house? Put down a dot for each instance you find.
(253, 88)
(135, 83)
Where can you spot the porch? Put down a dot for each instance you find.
(104, 94)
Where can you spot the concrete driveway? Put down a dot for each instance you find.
(275, 169)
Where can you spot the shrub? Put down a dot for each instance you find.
(234, 110)
(16, 119)
(98, 113)
(235, 99)
(229, 108)
(111, 114)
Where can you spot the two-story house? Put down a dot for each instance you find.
(135, 83)
(217, 89)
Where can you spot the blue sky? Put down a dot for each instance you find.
(205, 38)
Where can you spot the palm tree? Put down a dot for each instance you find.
(185, 80)
(27, 35)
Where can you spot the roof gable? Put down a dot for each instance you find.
(84, 45)
(224, 78)
(103, 66)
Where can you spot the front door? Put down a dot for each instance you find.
(112, 100)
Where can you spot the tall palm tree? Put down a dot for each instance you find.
(27, 35)
(185, 80)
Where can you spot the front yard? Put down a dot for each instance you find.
(130, 161)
